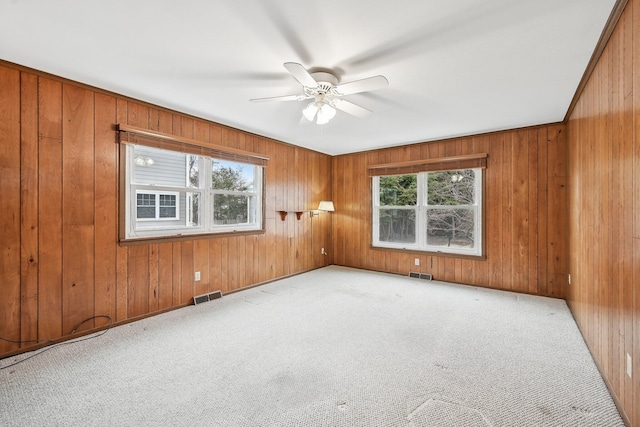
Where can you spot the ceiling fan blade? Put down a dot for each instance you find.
(301, 74)
(364, 85)
(280, 98)
(351, 108)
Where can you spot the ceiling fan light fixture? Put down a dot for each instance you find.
(326, 113)
(323, 87)
(310, 111)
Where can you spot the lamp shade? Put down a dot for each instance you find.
(325, 113)
(326, 205)
(310, 112)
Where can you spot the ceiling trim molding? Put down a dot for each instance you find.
(609, 27)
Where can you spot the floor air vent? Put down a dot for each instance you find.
(199, 299)
(423, 276)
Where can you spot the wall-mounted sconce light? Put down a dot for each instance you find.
(324, 206)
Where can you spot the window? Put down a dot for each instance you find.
(436, 211)
(171, 193)
(152, 206)
(234, 195)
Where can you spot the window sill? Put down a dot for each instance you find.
(186, 237)
(431, 253)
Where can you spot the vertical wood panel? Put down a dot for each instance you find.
(78, 290)
(240, 256)
(187, 272)
(201, 264)
(634, 132)
(557, 229)
(543, 212)
(154, 265)
(106, 212)
(78, 156)
(78, 195)
(10, 207)
(531, 276)
(493, 219)
(177, 273)
(250, 260)
(224, 264)
(520, 211)
(138, 281)
(165, 276)
(215, 272)
(28, 207)
(233, 261)
(507, 215)
(50, 201)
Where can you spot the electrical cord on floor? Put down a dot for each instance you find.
(104, 316)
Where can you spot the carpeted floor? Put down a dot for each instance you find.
(332, 347)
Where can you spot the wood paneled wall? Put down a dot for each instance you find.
(525, 212)
(60, 263)
(604, 211)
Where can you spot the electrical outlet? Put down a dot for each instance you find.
(629, 365)
(322, 252)
(569, 278)
(417, 261)
(197, 276)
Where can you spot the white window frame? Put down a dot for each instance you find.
(255, 192)
(206, 226)
(421, 209)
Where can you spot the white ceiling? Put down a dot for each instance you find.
(455, 67)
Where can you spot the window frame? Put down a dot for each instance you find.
(258, 181)
(129, 233)
(422, 207)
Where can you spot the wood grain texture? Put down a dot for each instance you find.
(29, 207)
(604, 182)
(78, 156)
(50, 201)
(519, 207)
(10, 207)
(78, 290)
(106, 212)
(61, 264)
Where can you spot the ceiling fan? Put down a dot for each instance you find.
(327, 94)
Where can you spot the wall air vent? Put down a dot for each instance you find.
(199, 299)
(423, 276)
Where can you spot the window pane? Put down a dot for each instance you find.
(451, 188)
(450, 227)
(153, 166)
(397, 225)
(146, 205)
(232, 176)
(167, 206)
(231, 209)
(193, 207)
(193, 171)
(399, 190)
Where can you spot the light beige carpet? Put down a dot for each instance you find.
(332, 347)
